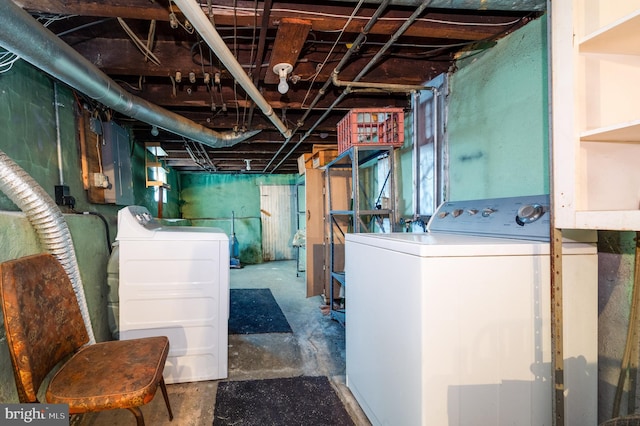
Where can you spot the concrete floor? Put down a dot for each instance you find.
(316, 348)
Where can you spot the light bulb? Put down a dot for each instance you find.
(283, 70)
(154, 130)
(173, 20)
(283, 87)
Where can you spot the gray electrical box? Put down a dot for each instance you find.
(116, 164)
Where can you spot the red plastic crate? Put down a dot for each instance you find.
(371, 126)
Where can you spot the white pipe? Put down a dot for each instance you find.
(416, 161)
(389, 87)
(437, 199)
(58, 141)
(193, 12)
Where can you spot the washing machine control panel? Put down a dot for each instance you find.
(525, 217)
(142, 216)
(136, 222)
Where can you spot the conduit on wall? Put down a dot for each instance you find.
(49, 223)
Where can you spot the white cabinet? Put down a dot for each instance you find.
(595, 57)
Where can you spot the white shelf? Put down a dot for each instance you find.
(623, 132)
(620, 37)
(596, 114)
(620, 220)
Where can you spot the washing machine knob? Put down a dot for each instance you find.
(529, 213)
(457, 212)
(487, 212)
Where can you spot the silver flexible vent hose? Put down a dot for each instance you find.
(49, 223)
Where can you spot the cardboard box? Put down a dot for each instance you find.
(304, 162)
(323, 147)
(321, 158)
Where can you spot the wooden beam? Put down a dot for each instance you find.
(291, 36)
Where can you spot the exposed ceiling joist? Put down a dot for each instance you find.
(312, 36)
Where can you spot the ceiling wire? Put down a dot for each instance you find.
(390, 19)
(379, 11)
(150, 37)
(253, 61)
(366, 69)
(321, 66)
(235, 53)
(138, 43)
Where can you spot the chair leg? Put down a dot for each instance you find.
(136, 412)
(163, 388)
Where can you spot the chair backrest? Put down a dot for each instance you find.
(42, 319)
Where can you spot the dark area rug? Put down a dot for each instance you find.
(254, 311)
(294, 401)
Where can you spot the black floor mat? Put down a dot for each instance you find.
(303, 401)
(254, 310)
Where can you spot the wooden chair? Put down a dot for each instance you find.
(44, 328)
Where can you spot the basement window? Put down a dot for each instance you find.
(159, 174)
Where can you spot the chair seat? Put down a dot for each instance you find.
(133, 384)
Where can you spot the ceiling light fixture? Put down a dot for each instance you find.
(154, 130)
(283, 71)
(173, 20)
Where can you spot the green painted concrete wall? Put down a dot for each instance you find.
(18, 238)
(210, 199)
(498, 119)
(28, 137)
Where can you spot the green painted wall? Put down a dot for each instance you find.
(498, 119)
(28, 137)
(18, 238)
(210, 199)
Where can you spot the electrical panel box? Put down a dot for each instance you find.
(116, 164)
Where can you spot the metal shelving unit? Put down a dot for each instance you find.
(358, 213)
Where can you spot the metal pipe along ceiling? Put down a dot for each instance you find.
(194, 13)
(354, 47)
(474, 4)
(27, 38)
(415, 15)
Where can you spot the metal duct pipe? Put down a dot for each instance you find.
(27, 38)
(49, 223)
(193, 12)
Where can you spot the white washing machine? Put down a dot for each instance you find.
(452, 326)
(174, 281)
